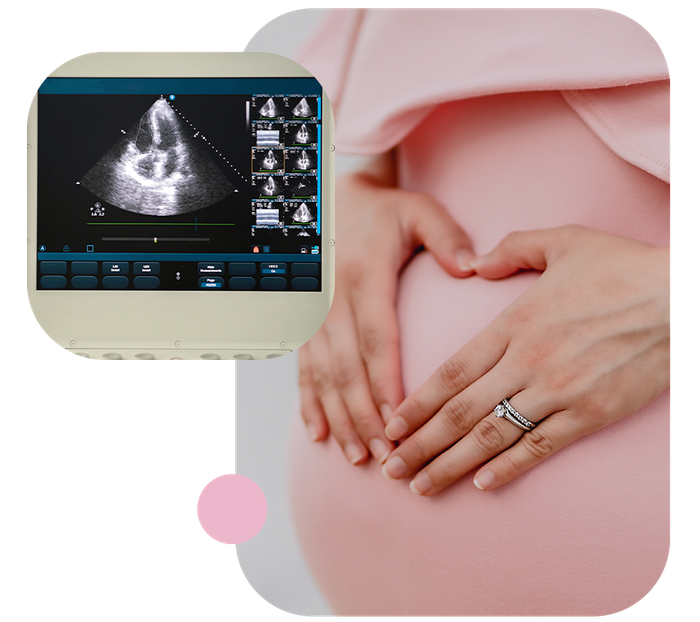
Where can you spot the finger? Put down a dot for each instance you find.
(456, 420)
(339, 421)
(311, 410)
(352, 383)
(440, 234)
(374, 307)
(555, 432)
(488, 437)
(467, 365)
(519, 250)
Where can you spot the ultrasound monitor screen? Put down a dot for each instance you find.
(179, 184)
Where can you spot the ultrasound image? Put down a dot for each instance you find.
(303, 187)
(302, 109)
(269, 109)
(303, 136)
(302, 161)
(303, 214)
(159, 168)
(270, 162)
(268, 188)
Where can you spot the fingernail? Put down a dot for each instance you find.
(312, 432)
(421, 483)
(396, 429)
(477, 262)
(379, 449)
(394, 468)
(484, 479)
(353, 452)
(464, 259)
(385, 411)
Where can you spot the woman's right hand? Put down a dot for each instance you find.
(350, 371)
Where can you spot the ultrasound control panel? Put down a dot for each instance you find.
(59, 274)
(179, 184)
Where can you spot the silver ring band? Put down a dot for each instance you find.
(505, 410)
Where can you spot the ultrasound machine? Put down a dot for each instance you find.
(180, 206)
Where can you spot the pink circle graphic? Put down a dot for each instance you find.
(232, 509)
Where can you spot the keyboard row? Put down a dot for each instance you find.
(239, 276)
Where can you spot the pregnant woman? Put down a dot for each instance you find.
(527, 153)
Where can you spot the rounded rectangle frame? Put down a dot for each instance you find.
(182, 324)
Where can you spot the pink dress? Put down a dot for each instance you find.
(513, 120)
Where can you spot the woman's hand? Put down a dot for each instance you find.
(586, 345)
(349, 372)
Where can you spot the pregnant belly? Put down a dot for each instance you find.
(584, 533)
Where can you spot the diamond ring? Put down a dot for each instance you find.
(505, 410)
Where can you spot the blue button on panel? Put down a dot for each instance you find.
(53, 281)
(241, 269)
(146, 282)
(115, 282)
(84, 281)
(211, 282)
(146, 267)
(53, 267)
(305, 283)
(83, 267)
(273, 268)
(242, 282)
(115, 267)
(305, 269)
(273, 283)
(211, 268)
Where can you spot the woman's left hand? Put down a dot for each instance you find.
(586, 345)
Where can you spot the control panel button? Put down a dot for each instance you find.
(241, 282)
(53, 267)
(85, 281)
(115, 267)
(241, 269)
(54, 281)
(273, 283)
(304, 269)
(146, 267)
(273, 268)
(115, 282)
(211, 282)
(305, 283)
(146, 282)
(210, 268)
(83, 267)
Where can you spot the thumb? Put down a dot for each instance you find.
(431, 226)
(519, 250)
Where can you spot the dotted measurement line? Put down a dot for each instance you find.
(197, 133)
